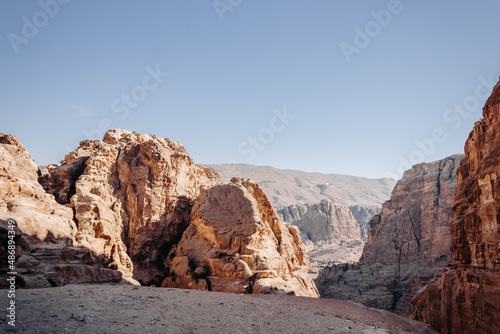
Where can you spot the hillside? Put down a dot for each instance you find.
(285, 187)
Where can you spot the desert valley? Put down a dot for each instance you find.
(231, 166)
(118, 236)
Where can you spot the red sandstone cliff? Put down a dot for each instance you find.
(408, 242)
(466, 297)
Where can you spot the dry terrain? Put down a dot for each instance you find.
(287, 187)
(123, 308)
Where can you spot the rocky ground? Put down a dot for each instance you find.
(123, 308)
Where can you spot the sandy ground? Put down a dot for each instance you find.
(123, 308)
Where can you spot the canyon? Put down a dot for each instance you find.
(465, 298)
(408, 242)
(325, 207)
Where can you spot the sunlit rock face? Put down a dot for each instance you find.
(237, 243)
(132, 195)
(45, 235)
(122, 207)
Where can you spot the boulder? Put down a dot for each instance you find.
(236, 243)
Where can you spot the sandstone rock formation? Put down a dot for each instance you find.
(46, 251)
(237, 243)
(327, 221)
(408, 243)
(466, 297)
(119, 207)
(363, 214)
(132, 195)
(329, 231)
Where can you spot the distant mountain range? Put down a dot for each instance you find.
(286, 187)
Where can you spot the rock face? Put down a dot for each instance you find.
(329, 231)
(466, 297)
(300, 199)
(326, 222)
(46, 250)
(132, 195)
(120, 208)
(408, 242)
(363, 214)
(237, 243)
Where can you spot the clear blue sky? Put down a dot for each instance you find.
(231, 68)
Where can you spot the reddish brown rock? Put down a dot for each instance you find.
(466, 297)
(125, 203)
(132, 194)
(236, 243)
(408, 242)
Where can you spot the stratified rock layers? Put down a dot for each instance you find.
(466, 297)
(237, 243)
(408, 242)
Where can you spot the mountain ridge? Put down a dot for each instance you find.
(300, 187)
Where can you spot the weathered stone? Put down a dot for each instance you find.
(466, 297)
(243, 247)
(329, 231)
(408, 242)
(46, 251)
(132, 198)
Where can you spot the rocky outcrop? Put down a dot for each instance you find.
(132, 195)
(237, 243)
(329, 231)
(408, 242)
(43, 231)
(466, 297)
(323, 222)
(363, 214)
(120, 208)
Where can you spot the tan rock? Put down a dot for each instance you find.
(47, 253)
(243, 247)
(141, 188)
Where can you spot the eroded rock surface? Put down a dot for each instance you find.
(329, 231)
(408, 242)
(237, 243)
(132, 195)
(119, 208)
(466, 297)
(47, 253)
(363, 214)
